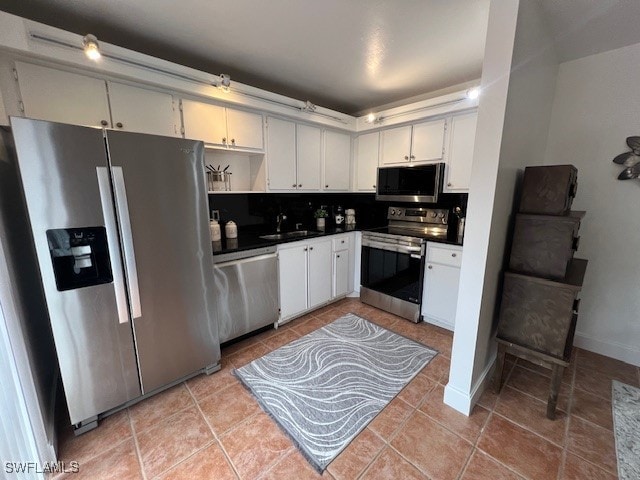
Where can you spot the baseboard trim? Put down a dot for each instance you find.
(463, 401)
(619, 351)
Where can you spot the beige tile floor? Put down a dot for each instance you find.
(210, 427)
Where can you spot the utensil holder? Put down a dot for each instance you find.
(218, 181)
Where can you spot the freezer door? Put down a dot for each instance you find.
(161, 202)
(65, 179)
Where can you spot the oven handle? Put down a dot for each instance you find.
(393, 247)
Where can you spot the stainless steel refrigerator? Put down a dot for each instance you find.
(120, 228)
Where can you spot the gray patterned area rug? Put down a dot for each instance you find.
(626, 426)
(324, 388)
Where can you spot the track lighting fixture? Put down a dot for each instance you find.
(225, 81)
(473, 93)
(308, 107)
(91, 47)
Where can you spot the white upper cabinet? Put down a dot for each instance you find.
(293, 155)
(221, 126)
(58, 96)
(422, 142)
(140, 110)
(427, 143)
(203, 121)
(367, 151)
(460, 152)
(281, 154)
(395, 145)
(337, 160)
(244, 130)
(308, 148)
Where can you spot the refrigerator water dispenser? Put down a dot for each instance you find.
(80, 257)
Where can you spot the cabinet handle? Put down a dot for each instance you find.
(341, 241)
(104, 123)
(326, 186)
(305, 249)
(406, 157)
(430, 267)
(374, 186)
(299, 185)
(413, 157)
(448, 184)
(233, 142)
(454, 254)
(224, 139)
(119, 124)
(337, 256)
(310, 248)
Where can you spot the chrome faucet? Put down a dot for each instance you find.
(279, 219)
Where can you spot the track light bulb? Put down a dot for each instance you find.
(371, 118)
(473, 93)
(91, 47)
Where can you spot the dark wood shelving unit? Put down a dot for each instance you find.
(539, 308)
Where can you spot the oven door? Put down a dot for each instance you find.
(393, 270)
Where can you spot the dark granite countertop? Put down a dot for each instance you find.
(249, 238)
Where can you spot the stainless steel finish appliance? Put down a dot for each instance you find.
(246, 291)
(120, 228)
(417, 184)
(392, 265)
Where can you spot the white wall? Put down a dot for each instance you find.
(597, 105)
(518, 83)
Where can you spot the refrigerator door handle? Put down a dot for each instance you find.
(106, 201)
(122, 207)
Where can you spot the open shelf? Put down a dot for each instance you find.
(248, 169)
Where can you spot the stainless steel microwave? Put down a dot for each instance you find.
(418, 184)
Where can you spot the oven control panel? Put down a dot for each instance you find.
(419, 215)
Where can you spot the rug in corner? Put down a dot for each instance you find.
(325, 387)
(626, 427)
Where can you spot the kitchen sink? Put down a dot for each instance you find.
(288, 235)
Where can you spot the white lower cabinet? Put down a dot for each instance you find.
(305, 276)
(440, 287)
(314, 272)
(341, 263)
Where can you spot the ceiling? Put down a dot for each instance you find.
(349, 55)
(587, 27)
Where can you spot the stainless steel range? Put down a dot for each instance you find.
(392, 266)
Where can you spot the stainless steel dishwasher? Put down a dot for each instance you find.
(246, 291)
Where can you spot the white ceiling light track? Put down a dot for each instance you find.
(92, 49)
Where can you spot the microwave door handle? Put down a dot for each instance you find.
(106, 202)
(122, 207)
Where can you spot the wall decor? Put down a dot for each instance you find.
(631, 160)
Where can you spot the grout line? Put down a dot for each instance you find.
(137, 447)
(215, 436)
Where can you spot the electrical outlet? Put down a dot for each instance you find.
(215, 214)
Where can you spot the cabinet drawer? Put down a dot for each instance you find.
(340, 243)
(445, 256)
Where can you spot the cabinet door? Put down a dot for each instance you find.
(395, 145)
(337, 160)
(57, 96)
(440, 294)
(428, 141)
(460, 154)
(281, 154)
(309, 142)
(340, 273)
(320, 275)
(203, 121)
(140, 110)
(367, 161)
(244, 129)
(292, 265)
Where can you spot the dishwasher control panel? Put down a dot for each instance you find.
(254, 252)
